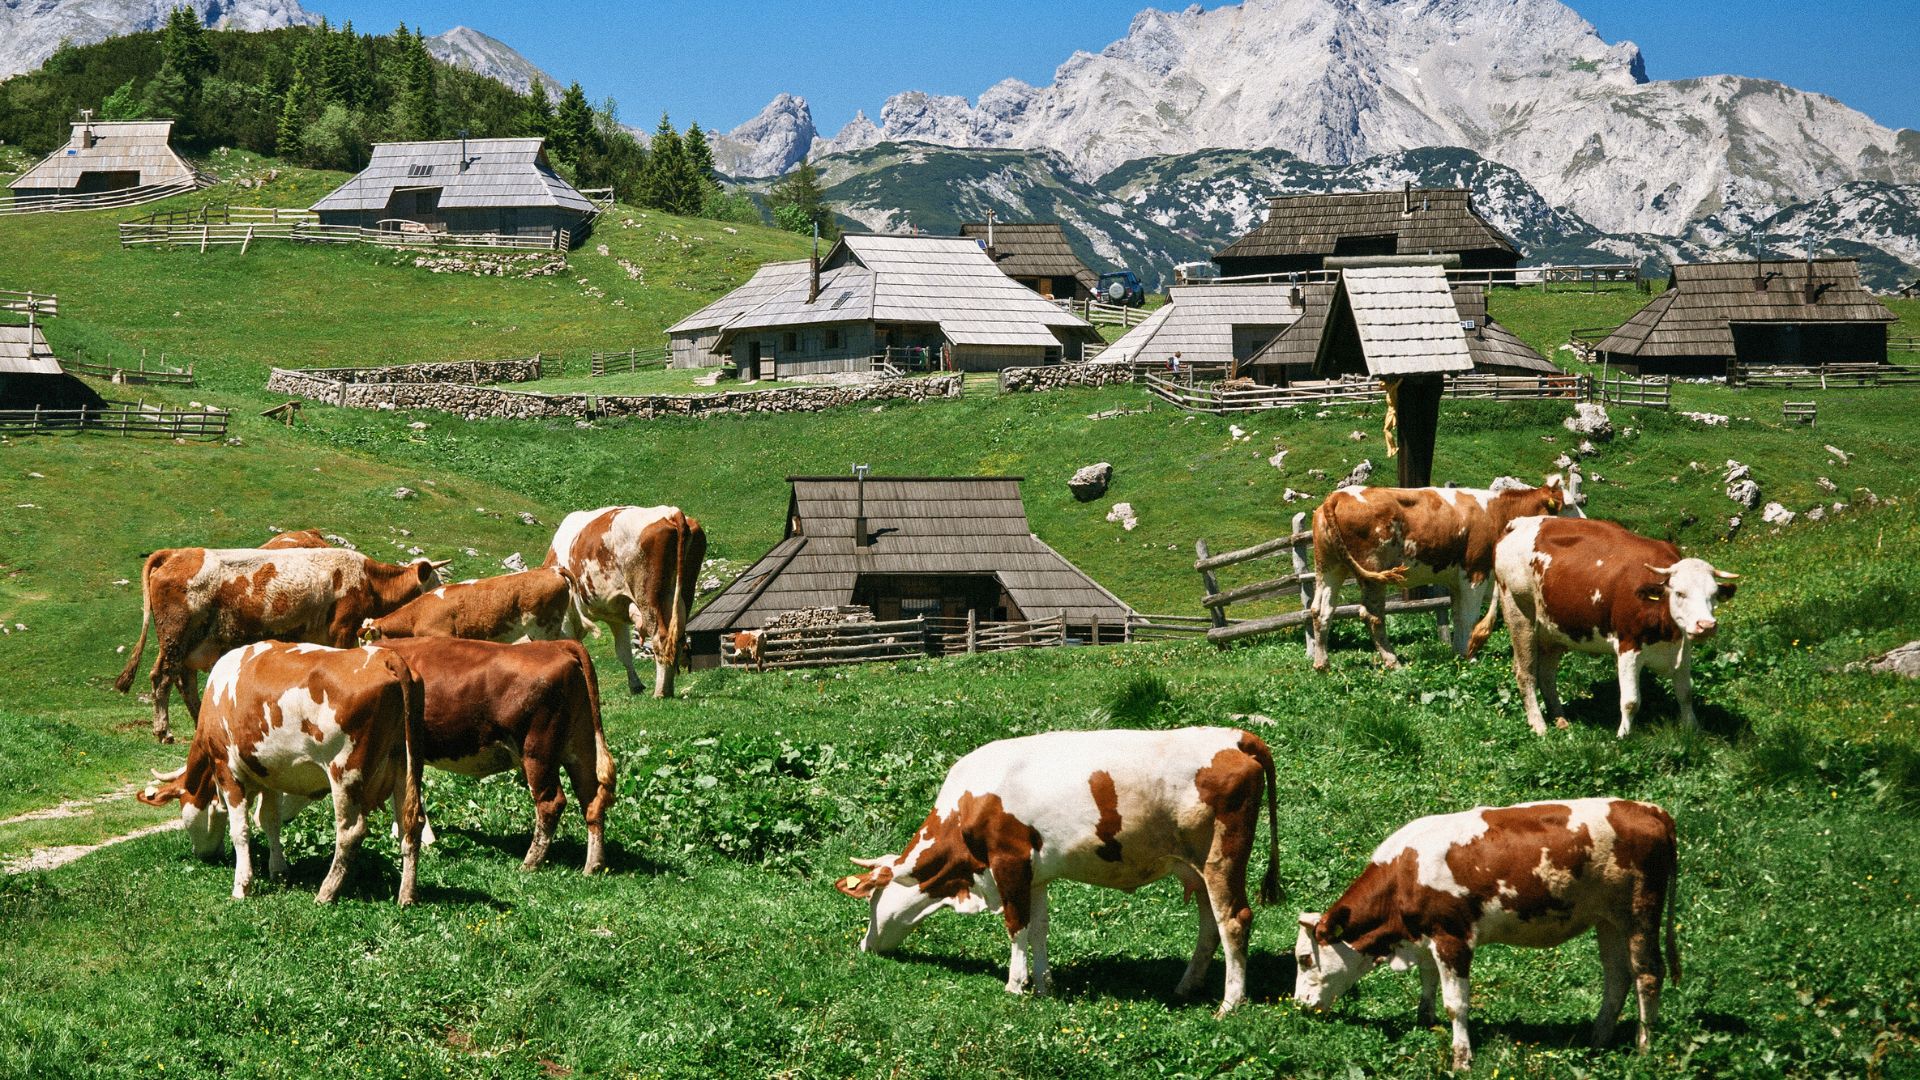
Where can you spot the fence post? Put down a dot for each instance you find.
(1093, 633)
(973, 630)
(1063, 627)
(1219, 614)
(1301, 564)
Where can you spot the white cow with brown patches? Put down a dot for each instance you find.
(634, 566)
(1112, 808)
(1533, 875)
(293, 723)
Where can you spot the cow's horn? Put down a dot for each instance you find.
(1663, 571)
(871, 864)
(438, 563)
(1726, 575)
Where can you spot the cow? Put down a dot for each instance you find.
(636, 566)
(1409, 537)
(1534, 875)
(532, 605)
(750, 648)
(302, 538)
(1112, 808)
(291, 723)
(202, 602)
(534, 707)
(1595, 587)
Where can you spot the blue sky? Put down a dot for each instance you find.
(720, 63)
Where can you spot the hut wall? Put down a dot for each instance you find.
(1761, 343)
(996, 357)
(808, 350)
(694, 350)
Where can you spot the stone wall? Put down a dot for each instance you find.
(477, 402)
(1061, 376)
(472, 372)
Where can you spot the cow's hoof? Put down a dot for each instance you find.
(165, 740)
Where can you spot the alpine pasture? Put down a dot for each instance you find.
(717, 944)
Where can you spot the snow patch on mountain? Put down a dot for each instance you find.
(31, 30)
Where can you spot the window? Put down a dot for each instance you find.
(833, 339)
(912, 607)
(790, 342)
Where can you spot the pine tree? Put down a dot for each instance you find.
(416, 110)
(700, 154)
(346, 71)
(184, 44)
(664, 184)
(537, 119)
(169, 95)
(122, 104)
(298, 107)
(799, 203)
(572, 135)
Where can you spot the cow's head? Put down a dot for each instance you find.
(202, 811)
(1691, 588)
(370, 631)
(1326, 964)
(899, 902)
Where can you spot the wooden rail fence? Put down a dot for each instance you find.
(105, 200)
(127, 420)
(239, 226)
(140, 374)
(842, 643)
(1648, 393)
(1822, 376)
(1196, 396)
(627, 361)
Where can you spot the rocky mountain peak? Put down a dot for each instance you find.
(30, 30)
(769, 144)
(465, 47)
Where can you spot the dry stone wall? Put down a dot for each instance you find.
(413, 388)
(1061, 376)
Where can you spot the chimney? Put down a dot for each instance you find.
(813, 282)
(1406, 198)
(86, 129)
(860, 507)
(989, 232)
(1296, 298)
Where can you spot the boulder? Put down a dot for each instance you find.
(1775, 514)
(1590, 419)
(1091, 482)
(1903, 661)
(514, 562)
(1744, 492)
(1359, 476)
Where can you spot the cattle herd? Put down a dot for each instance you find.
(330, 673)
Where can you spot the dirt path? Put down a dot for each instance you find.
(72, 807)
(54, 857)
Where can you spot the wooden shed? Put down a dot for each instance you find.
(692, 340)
(1211, 325)
(461, 186)
(1303, 231)
(935, 301)
(1036, 254)
(1715, 315)
(30, 376)
(108, 155)
(907, 546)
(1294, 354)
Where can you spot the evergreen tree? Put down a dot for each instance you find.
(700, 154)
(122, 104)
(798, 202)
(416, 110)
(168, 96)
(184, 44)
(537, 118)
(346, 71)
(572, 134)
(298, 107)
(664, 183)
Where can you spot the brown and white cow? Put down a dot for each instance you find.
(1534, 875)
(1112, 808)
(1595, 587)
(533, 707)
(292, 723)
(297, 538)
(636, 566)
(1406, 537)
(202, 602)
(749, 647)
(532, 605)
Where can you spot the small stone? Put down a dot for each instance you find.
(1586, 448)
(1278, 460)
(1290, 495)
(1840, 508)
(1090, 482)
(1590, 419)
(1818, 513)
(527, 519)
(35, 476)
(1903, 661)
(1563, 462)
(1707, 418)
(471, 553)
(1826, 484)
(1357, 436)
(1841, 455)
(404, 493)
(514, 562)
(1775, 514)
(1122, 514)
(123, 581)
(415, 551)
(1359, 476)
(417, 425)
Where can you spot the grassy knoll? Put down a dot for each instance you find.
(717, 945)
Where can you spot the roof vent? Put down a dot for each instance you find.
(1406, 197)
(860, 506)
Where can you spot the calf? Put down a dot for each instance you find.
(1594, 587)
(1534, 875)
(1409, 537)
(533, 605)
(292, 723)
(750, 648)
(635, 566)
(533, 707)
(1113, 808)
(202, 602)
(301, 538)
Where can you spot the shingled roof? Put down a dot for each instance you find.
(916, 526)
(1032, 249)
(1694, 316)
(1198, 320)
(117, 146)
(1424, 221)
(767, 282)
(24, 351)
(498, 173)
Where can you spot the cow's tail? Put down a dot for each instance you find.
(413, 702)
(1673, 893)
(125, 681)
(1269, 892)
(577, 623)
(1326, 534)
(1483, 629)
(603, 770)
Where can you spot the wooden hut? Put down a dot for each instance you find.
(1294, 354)
(905, 546)
(935, 301)
(1036, 254)
(30, 377)
(1717, 315)
(108, 155)
(1215, 327)
(691, 341)
(1303, 231)
(461, 186)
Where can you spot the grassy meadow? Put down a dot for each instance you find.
(717, 944)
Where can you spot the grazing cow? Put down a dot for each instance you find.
(533, 707)
(1112, 808)
(1410, 537)
(533, 605)
(1594, 587)
(635, 566)
(750, 648)
(302, 538)
(202, 602)
(1534, 875)
(292, 723)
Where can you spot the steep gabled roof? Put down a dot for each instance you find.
(1695, 316)
(498, 173)
(1198, 320)
(916, 526)
(765, 283)
(1032, 249)
(1405, 318)
(24, 351)
(118, 146)
(1440, 220)
(1492, 346)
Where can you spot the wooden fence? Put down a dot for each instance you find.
(842, 643)
(239, 226)
(1196, 396)
(125, 419)
(1648, 393)
(630, 360)
(1822, 376)
(1299, 545)
(140, 374)
(105, 200)
(1100, 313)
(40, 305)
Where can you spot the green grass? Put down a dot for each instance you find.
(717, 945)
